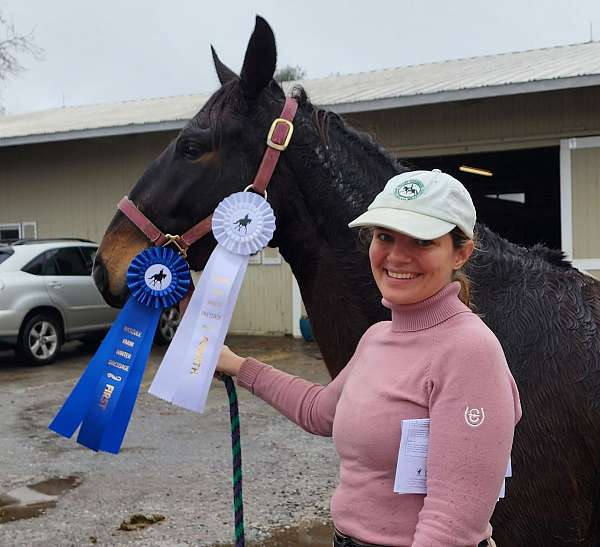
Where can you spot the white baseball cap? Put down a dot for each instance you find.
(421, 204)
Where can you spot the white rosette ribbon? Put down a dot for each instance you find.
(242, 224)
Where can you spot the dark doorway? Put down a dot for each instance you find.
(520, 200)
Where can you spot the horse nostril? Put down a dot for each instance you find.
(100, 276)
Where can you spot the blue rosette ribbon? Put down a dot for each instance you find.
(103, 399)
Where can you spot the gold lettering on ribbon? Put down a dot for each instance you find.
(211, 315)
(128, 342)
(106, 394)
(132, 331)
(122, 353)
(118, 365)
(197, 363)
(215, 303)
(222, 280)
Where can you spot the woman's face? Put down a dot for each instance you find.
(409, 270)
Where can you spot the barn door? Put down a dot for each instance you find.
(580, 202)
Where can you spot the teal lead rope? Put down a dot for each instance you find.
(236, 450)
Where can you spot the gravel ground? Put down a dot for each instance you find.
(173, 462)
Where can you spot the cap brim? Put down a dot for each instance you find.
(410, 223)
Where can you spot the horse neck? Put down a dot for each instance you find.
(332, 175)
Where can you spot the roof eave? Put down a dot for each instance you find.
(464, 94)
(340, 108)
(108, 131)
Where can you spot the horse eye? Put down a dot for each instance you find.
(191, 150)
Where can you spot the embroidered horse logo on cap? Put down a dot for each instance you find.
(243, 223)
(411, 189)
(474, 416)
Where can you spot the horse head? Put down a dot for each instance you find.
(215, 154)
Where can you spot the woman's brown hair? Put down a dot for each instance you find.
(459, 239)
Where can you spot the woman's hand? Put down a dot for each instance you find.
(229, 363)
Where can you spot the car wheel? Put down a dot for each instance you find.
(40, 340)
(167, 325)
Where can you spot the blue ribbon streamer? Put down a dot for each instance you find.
(103, 399)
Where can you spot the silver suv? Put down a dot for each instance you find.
(47, 296)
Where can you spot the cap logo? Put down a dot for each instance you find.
(410, 189)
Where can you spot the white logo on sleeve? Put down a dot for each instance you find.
(474, 416)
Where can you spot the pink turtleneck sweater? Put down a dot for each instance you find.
(436, 359)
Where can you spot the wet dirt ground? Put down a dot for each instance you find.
(174, 464)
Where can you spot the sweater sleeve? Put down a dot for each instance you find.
(309, 405)
(473, 407)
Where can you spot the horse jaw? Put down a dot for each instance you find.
(121, 243)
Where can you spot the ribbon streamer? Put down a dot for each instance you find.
(243, 223)
(104, 397)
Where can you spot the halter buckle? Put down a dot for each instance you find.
(288, 137)
(174, 239)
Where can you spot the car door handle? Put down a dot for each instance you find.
(55, 284)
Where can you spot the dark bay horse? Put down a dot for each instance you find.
(545, 313)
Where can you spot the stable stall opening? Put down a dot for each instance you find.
(516, 193)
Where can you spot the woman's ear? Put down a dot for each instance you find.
(462, 254)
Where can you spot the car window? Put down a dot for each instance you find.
(36, 266)
(65, 261)
(4, 254)
(89, 254)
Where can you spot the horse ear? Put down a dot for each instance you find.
(260, 59)
(224, 73)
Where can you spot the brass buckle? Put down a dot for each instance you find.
(280, 147)
(175, 241)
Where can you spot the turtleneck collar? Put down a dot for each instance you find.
(429, 312)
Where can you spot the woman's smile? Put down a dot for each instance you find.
(409, 270)
(405, 276)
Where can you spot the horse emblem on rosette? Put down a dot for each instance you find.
(158, 278)
(243, 223)
(544, 312)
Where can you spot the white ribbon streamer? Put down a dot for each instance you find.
(243, 223)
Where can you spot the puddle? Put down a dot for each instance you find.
(56, 486)
(314, 534)
(32, 500)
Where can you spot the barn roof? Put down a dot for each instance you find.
(546, 69)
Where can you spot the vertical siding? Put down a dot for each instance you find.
(71, 189)
(585, 175)
(265, 302)
(514, 121)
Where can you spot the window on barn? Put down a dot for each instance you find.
(10, 232)
(18, 230)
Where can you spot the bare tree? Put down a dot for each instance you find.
(289, 72)
(12, 45)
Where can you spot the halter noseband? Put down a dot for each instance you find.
(278, 138)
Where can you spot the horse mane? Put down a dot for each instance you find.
(537, 257)
(325, 120)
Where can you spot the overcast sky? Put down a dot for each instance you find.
(116, 50)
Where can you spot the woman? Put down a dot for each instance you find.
(435, 359)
